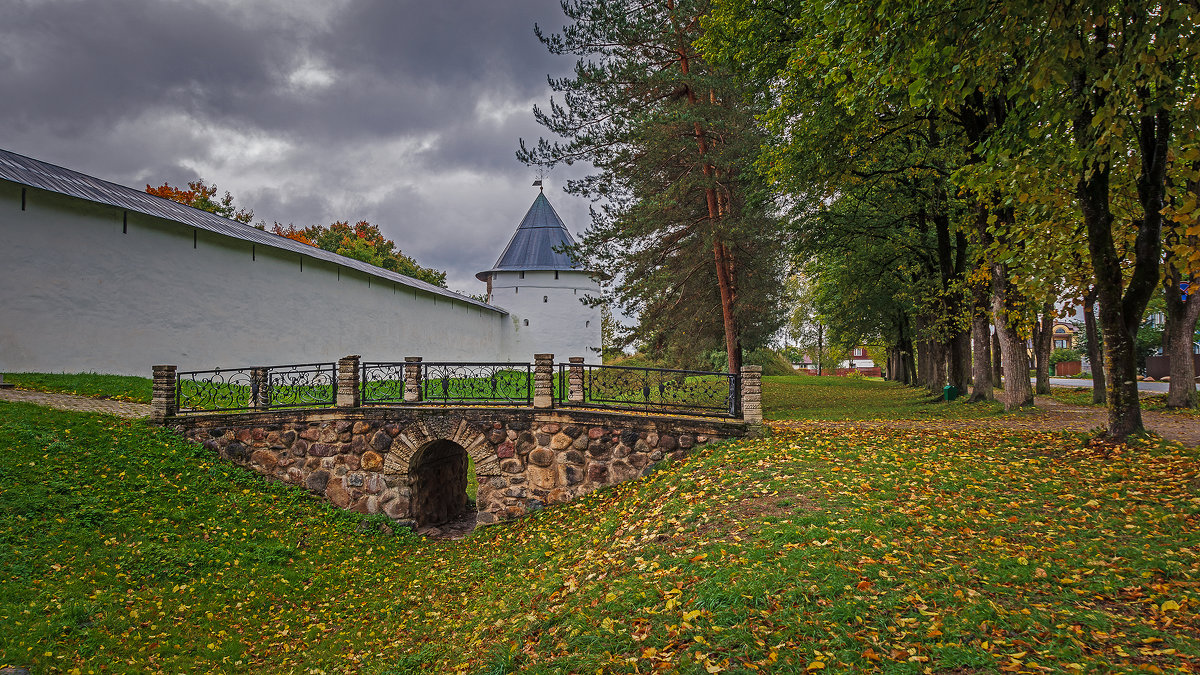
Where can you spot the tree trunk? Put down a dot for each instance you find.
(931, 365)
(733, 346)
(1182, 310)
(958, 363)
(1177, 341)
(1095, 349)
(1121, 308)
(1005, 301)
(721, 256)
(820, 347)
(1043, 342)
(906, 367)
(997, 363)
(981, 345)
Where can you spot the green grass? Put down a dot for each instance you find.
(118, 387)
(1083, 396)
(859, 549)
(847, 398)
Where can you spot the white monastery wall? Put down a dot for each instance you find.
(77, 294)
(548, 315)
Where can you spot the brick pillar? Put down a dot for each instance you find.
(347, 382)
(543, 381)
(260, 394)
(752, 397)
(162, 401)
(412, 379)
(575, 379)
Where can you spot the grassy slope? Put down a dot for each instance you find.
(832, 548)
(841, 398)
(119, 387)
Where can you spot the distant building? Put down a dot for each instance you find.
(545, 292)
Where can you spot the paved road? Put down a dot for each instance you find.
(1156, 387)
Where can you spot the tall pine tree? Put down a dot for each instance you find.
(680, 223)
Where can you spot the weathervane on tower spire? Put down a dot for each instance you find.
(538, 176)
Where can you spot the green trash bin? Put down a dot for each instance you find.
(950, 392)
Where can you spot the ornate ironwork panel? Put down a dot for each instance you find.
(382, 382)
(215, 390)
(256, 388)
(305, 385)
(500, 383)
(689, 392)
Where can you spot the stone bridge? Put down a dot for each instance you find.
(411, 461)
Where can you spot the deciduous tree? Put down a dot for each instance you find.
(362, 241)
(203, 197)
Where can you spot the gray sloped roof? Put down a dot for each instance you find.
(537, 244)
(42, 175)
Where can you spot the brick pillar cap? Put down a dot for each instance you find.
(576, 359)
(352, 356)
(412, 359)
(751, 369)
(544, 357)
(164, 367)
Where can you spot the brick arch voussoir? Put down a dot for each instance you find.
(413, 438)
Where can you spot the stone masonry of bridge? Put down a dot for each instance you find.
(409, 462)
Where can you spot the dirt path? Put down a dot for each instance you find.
(1051, 416)
(79, 403)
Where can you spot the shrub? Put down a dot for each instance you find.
(1060, 355)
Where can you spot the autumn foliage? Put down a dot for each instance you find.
(362, 241)
(203, 197)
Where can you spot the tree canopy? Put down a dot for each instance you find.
(204, 197)
(362, 241)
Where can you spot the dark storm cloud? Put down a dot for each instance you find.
(403, 113)
(77, 66)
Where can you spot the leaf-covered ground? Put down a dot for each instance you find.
(836, 546)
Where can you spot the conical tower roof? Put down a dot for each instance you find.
(538, 243)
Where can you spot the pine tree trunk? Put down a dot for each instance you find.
(721, 256)
(981, 345)
(1095, 349)
(1017, 391)
(733, 348)
(1043, 342)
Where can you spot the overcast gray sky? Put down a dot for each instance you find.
(406, 114)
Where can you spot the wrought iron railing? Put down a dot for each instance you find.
(256, 388)
(690, 392)
(446, 382)
(382, 382)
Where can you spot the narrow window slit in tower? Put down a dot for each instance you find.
(195, 238)
(124, 222)
(22, 199)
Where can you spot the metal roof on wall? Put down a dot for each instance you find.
(537, 244)
(42, 175)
